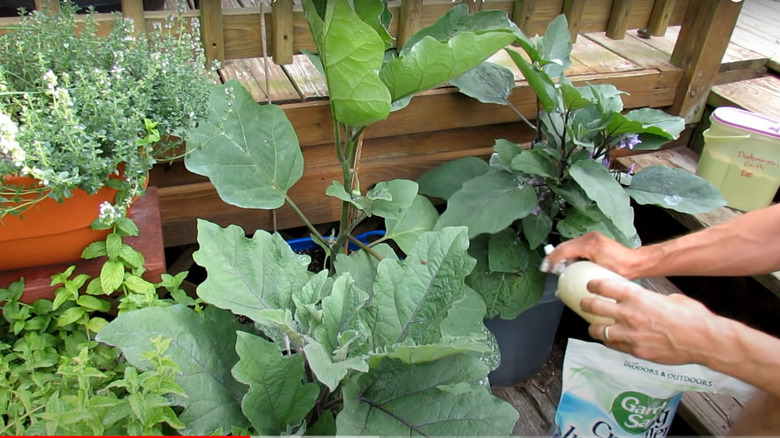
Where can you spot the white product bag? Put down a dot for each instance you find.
(610, 394)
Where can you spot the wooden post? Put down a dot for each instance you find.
(573, 10)
(522, 13)
(409, 21)
(47, 5)
(134, 10)
(211, 30)
(282, 31)
(474, 5)
(704, 36)
(659, 17)
(618, 19)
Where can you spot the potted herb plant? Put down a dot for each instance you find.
(375, 343)
(561, 187)
(83, 117)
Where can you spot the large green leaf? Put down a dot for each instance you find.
(340, 314)
(447, 178)
(412, 296)
(676, 189)
(352, 53)
(431, 62)
(428, 399)
(249, 151)
(329, 370)
(375, 14)
(278, 393)
(391, 198)
(647, 120)
(245, 275)
(505, 294)
(507, 253)
(535, 162)
(362, 266)
(487, 82)
(416, 219)
(600, 186)
(458, 20)
(538, 80)
(556, 47)
(204, 348)
(489, 203)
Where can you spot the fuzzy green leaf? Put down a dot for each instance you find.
(391, 198)
(488, 203)
(675, 189)
(248, 275)
(411, 297)
(252, 156)
(414, 220)
(203, 345)
(428, 399)
(447, 178)
(536, 228)
(507, 253)
(277, 395)
(487, 82)
(352, 53)
(610, 197)
(431, 62)
(111, 275)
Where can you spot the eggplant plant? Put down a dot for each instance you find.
(563, 185)
(377, 343)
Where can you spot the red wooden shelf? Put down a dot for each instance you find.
(149, 242)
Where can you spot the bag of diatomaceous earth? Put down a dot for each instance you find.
(607, 393)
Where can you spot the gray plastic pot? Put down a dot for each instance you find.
(526, 341)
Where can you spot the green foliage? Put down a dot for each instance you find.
(78, 108)
(376, 342)
(57, 379)
(561, 187)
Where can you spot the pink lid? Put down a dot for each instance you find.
(747, 120)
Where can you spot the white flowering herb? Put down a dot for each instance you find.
(76, 111)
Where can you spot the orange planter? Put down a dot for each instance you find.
(51, 232)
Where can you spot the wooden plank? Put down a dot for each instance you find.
(47, 5)
(760, 95)
(282, 31)
(685, 158)
(409, 20)
(212, 30)
(699, 49)
(530, 421)
(524, 10)
(234, 69)
(645, 56)
(454, 110)
(573, 10)
(383, 159)
(660, 16)
(306, 79)
(252, 73)
(600, 59)
(618, 19)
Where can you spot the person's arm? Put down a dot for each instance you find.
(746, 245)
(675, 329)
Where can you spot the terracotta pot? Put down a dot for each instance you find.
(50, 232)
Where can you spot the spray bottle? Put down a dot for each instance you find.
(573, 282)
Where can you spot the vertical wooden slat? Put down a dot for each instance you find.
(522, 13)
(134, 10)
(474, 5)
(704, 36)
(409, 21)
(211, 28)
(282, 31)
(618, 19)
(659, 17)
(573, 10)
(47, 5)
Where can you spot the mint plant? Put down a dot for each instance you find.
(564, 185)
(57, 379)
(376, 343)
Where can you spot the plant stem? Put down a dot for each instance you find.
(363, 246)
(305, 220)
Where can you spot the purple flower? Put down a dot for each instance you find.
(606, 162)
(628, 142)
(630, 169)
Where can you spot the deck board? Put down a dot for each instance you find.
(761, 95)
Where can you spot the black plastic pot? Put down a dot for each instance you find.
(526, 341)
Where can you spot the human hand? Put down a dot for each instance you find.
(668, 329)
(595, 247)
